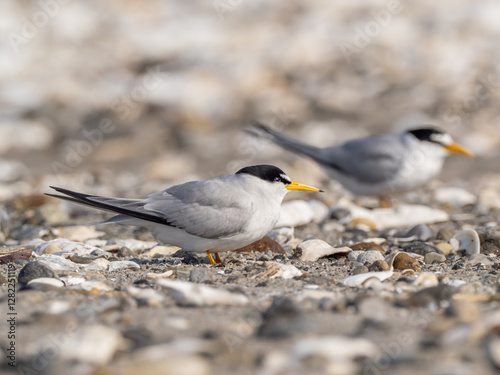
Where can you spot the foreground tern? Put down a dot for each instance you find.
(378, 165)
(220, 214)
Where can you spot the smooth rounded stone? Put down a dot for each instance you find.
(421, 248)
(431, 258)
(420, 232)
(359, 269)
(466, 240)
(282, 319)
(367, 246)
(94, 344)
(61, 245)
(445, 247)
(427, 296)
(80, 233)
(363, 279)
(490, 198)
(284, 271)
(481, 259)
(489, 236)
(335, 348)
(399, 260)
(123, 265)
(190, 294)
(145, 296)
(8, 255)
(426, 280)
(312, 250)
(282, 235)
(199, 275)
(45, 283)
(370, 256)
(379, 265)
(295, 213)
(454, 197)
(125, 252)
(100, 264)
(82, 259)
(34, 270)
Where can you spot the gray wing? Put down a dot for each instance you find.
(370, 159)
(209, 208)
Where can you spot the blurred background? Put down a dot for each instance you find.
(120, 92)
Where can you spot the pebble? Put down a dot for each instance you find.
(368, 257)
(489, 236)
(367, 246)
(98, 265)
(445, 247)
(134, 245)
(199, 275)
(402, 261)
(45, 283)
(94, 287)
(190, 294)
(481, 259)
(312, 250)
(284, 271)
(359, 269)
(421, 248)
(125, 252)
(454, 197)
(162, 250)
(34, 270)
(379, 265)
(426, 280)
(362, 279)
(431, 258)
(466, 240)
(120, 265)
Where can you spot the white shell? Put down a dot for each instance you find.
(362, 278)
(312, 250)
(275, 270)
(45, 283)
(467, 240)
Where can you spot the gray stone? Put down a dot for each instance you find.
(421, 248)
(199, 275)
(368, 257)
(360, 269)
(35, 270)
(431, 258)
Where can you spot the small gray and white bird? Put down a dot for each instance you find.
(219, 214)
(378, 165)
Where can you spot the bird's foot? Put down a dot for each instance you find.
(217, 261)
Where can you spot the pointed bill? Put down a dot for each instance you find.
(298, 186)
(455, 147)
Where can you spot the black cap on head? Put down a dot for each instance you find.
(267, 173)
(428, 134)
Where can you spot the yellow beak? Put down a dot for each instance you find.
(298, 186)
(455, 147)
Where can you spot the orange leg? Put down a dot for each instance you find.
(212, 261)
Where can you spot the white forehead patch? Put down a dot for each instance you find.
(444, 139)
(285, 177)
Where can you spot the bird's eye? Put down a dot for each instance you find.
(277, 179)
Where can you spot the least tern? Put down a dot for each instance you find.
(378, 165)
(219, 214)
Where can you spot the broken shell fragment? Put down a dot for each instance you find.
(466, 240)
(362, 278)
